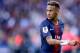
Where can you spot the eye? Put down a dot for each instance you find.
(50, 10)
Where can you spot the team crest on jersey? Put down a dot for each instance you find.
(45, 29)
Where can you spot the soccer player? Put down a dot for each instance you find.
(51, 30)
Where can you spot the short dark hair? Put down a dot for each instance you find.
(54, 3)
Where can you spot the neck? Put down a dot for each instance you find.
(55, 20)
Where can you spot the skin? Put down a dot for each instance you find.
(52, 13)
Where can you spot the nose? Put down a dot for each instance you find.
(48, 14)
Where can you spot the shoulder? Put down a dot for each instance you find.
(61, 21)
(44, 23)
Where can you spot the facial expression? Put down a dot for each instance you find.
(52, 11)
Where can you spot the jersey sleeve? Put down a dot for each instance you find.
(44, 30)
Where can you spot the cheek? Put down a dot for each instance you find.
(52, 13)
(56, 13)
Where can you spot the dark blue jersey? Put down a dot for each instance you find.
(47, 29)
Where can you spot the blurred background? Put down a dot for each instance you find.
(20, 21)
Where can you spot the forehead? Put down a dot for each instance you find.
(49, 7)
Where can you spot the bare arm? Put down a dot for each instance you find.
(51, 41)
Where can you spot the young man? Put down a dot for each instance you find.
(51, 30)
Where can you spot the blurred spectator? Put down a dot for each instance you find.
(67, 35)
